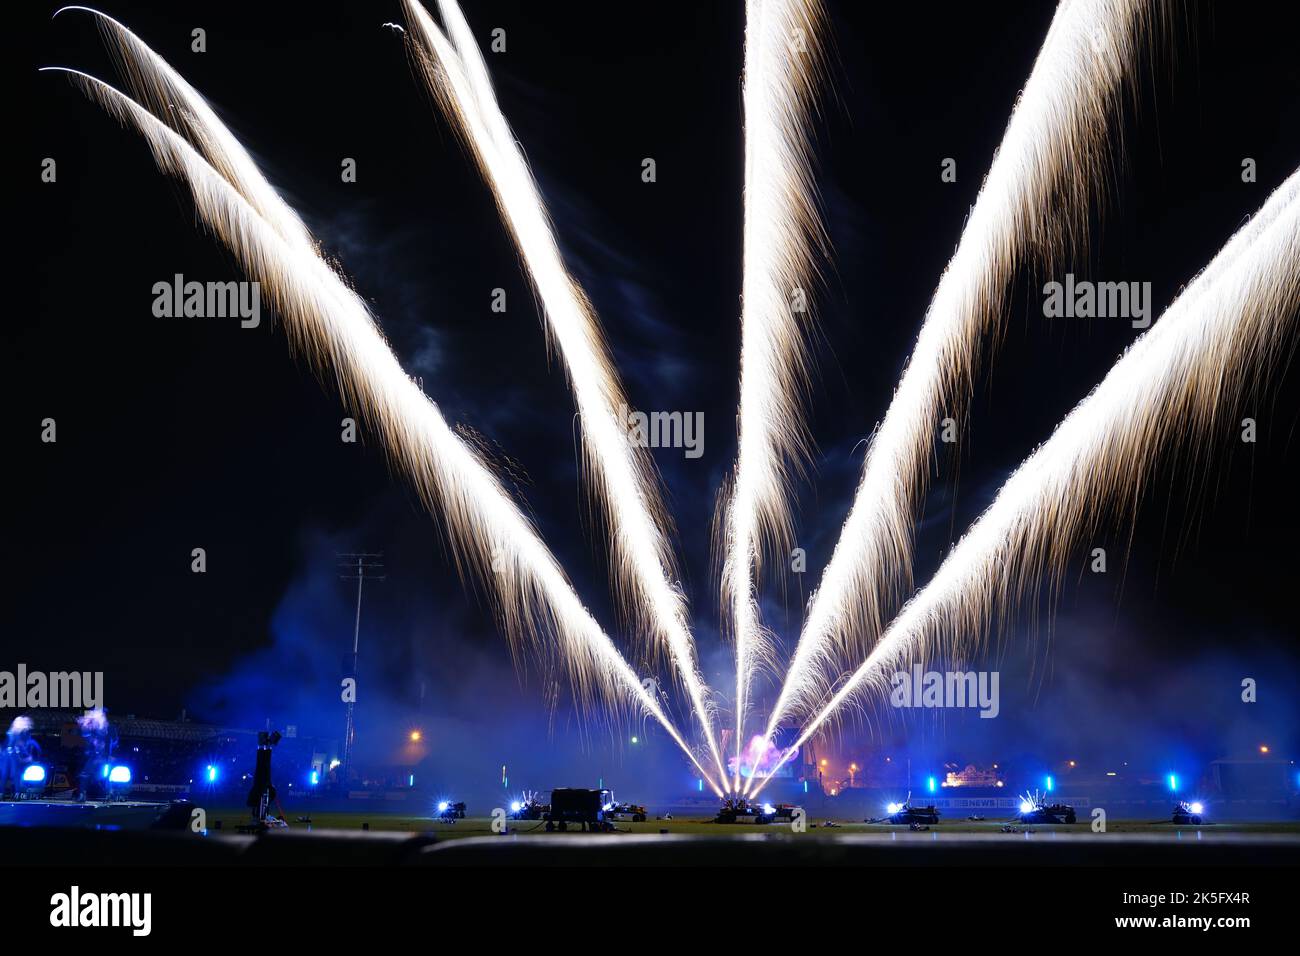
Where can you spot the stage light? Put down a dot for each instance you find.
(120, 774)
(769, 809)
(515, 806)
(315, 777)
(33, 780)
(634, 740)
(416, 736)
(443, 805)
(1051, 785)
(410, 781)
(1026, 806)
(1263, 748)
(212, 774)
(892, 808)
(1197, 807)
(930, 784)
(1173, 782)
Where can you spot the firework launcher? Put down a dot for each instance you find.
(449, 812)
(741, 810)
(786, 812)
(904, 814)
(630, 812)
(528, 807)
(1035, 809)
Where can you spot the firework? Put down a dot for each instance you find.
(332, 328)
(1174, 386)
(620, 472)
(1032, 205)
(167, 95)
(781, 231)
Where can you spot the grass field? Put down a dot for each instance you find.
(482, 826)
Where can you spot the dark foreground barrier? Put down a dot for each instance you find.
(34, 846)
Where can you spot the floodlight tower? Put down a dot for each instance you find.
(362, 567)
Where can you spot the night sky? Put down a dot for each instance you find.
(183, 433)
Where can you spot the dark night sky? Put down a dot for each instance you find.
(175, 434)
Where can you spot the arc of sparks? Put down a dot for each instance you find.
(780, 233)
(168, 96)
(1032, 205)
(621, 474)
(1218, 337)
(332, 328)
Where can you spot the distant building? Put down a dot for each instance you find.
(972, 776)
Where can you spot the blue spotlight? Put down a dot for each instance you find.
(120, 774)
(930, 784)
(1173, 782)
(315, 777)
(33, 781)
(701, 785)
(410, 781)
(212, 773)
(1051, 784)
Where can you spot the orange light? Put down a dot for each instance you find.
(853, 767)
(823, 761)
(1071, 763)
(1263, 748)
(416, 736)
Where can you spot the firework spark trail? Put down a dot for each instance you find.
(1174, 385)
(329, 325)
(167, 95)
(1033, 205)
(781, 231)
(621, 473)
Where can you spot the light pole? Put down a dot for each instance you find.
(364, 566)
